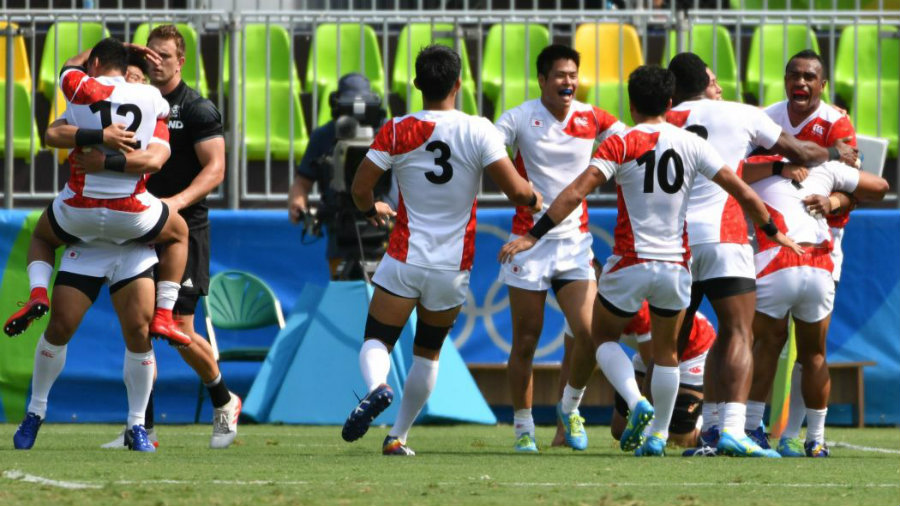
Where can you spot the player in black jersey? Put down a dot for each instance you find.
(195, 167)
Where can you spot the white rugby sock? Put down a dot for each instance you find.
(166, 294)
(571, 398)
(523, 422)
(374, 363)
(138, 375)
(664, 387)
(815, 424)
(755, 411)
(49, 361)
(798, 407)
(710, 414)
(39, 274)
(419, 384)
(733, 417)
(618, 370)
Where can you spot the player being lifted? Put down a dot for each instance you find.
(722, 266)
(553, 137)
(654, 164)
(438, 156)
(111, 204)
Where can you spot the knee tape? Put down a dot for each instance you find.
(387, 334)
(429, 336)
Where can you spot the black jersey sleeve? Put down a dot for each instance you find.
(203, 121)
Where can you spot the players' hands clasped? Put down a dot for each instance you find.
(116, 137)
(786, 241)
(383, 214)
(849, 154)
(509, 250)
(89, 161)
(795, 172)
(817, 205)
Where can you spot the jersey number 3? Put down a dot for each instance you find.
(648, 159)
(441, 161)
(105, 110)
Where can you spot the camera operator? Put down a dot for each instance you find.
(329, 161)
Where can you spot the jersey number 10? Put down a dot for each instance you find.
(662, 170)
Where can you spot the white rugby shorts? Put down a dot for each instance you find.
(722, 260)
(104, 224)
(837, 253)
(110, 261)
(806, 292)
(627, 282)
(563, 258)
(436, 289)
(690, 371)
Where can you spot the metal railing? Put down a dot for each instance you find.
(265, 180)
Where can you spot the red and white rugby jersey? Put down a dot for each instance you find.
(438, 158)
(824, 127)
(785, 203)
(654, 166)
(552, 153)
(734, 130)
(702, 337)
(99, 102)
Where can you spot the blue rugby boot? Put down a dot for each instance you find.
(27, 432)
(136, 439)
(653, 446)
(816, 449)
(638, 420)
(790, 447)
(576, 437)
(366, 411)
(526, 444)
(759, 436)
(742, 446)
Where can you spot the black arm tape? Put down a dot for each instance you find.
(371, 212)
(387, 334)
(115, 162)
(777, 168)
(88, 136)
(833, 153)
(533, 201)
(542, 226)
(429, 336)
(769, 228)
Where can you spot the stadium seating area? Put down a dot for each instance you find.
(277, 110)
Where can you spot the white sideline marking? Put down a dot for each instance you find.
(15, 474)
(864, 448)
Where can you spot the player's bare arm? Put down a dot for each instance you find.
(211, 154)
(810, 154)
(142, 161)
(757, 171)
(517, 190)
(870, 188)
(60, 134)
(363, 192)
(753, 206)
(570, 198)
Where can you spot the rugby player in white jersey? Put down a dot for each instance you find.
(83, 270)
(722, 265)
(654, 164)
(110, 204)
(801, 286)
(438, 156)
(806, 116)
(552, 138)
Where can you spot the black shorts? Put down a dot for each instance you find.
(195, 282)
(90, 285)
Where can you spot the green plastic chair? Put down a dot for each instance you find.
(414, 37)
(509, 89)
(777, 45)
(281, 71)
(24, 126)
(66, 33)
(360, 53)
(189, 71)
(865, 111)
(700, 41)
(238, 300)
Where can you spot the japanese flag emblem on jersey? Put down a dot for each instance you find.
(537, 123)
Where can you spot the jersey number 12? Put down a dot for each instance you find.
(105, 110)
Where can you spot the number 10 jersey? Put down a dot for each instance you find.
(438, 158)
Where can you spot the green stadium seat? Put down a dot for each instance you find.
(192, 58)
(599, 79)
(773, 47)
(865, 111)
(359, 52)
(63, 42)
(281, 71)
(414, 37)
(24, 126)
(508, 74)
(701, 41)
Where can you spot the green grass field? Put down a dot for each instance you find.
(455, 465)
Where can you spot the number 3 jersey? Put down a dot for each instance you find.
(96, 103)
(438, 158)
(655, 166)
